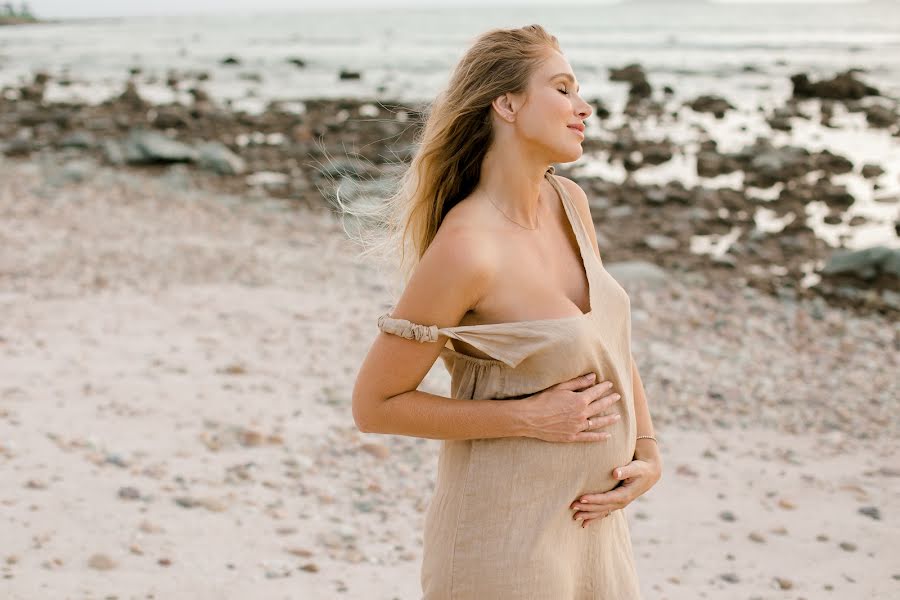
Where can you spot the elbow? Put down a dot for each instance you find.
(363, 415)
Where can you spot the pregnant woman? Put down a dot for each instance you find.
(547, 435)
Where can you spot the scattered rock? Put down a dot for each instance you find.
(101, 562)
(843, 86)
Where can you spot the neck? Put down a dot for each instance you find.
(513, 184)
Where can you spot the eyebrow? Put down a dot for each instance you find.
(565, 76)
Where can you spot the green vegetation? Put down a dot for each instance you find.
(10, 16)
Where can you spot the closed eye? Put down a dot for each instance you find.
(563, 91)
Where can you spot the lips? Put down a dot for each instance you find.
(579, 127)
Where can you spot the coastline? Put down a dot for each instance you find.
(769, 214)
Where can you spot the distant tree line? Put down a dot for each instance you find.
(8, 10)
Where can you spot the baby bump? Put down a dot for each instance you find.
(510, 472)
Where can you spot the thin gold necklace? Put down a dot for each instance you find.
(537, 216)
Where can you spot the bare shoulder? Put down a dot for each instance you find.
(580, 200)
(451, 277)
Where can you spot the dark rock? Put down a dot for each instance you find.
(346, 74)
(215, 156)
(230, 60)
(150, 147)
(633, 73)
(169, 117)
(131, 98)
(878, 115)
(871, 170)
(78, 139)
(600, 109)
(867, 263)
(831, 163)
(843, 86)
(712, 104)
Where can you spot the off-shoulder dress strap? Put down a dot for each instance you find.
(509, 343)
(408, 329)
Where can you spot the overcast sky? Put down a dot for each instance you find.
(113, 8)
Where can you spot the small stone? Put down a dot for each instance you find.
(35, 484)
(251, 438)
(785, 584)
(686, 470)
(757, 537)
(165, 562)
(787, 504)
(310, 568)
(848, 546)
(730, 577)
(129, 493)
(101, 562)
(871, 511)
(302, 552)
(148, 527)
(727, 515)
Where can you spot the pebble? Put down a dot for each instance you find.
(101, 562)
(871, 511)
(784, 584)
(129, 493)
(756, 537)
(786, 504)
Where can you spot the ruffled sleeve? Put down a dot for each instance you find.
(407, 329)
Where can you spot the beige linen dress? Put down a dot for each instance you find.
(499, 526)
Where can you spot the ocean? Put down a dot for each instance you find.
(745, 52)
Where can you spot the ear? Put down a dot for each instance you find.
(506, 107)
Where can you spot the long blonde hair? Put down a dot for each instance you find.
(455, 135)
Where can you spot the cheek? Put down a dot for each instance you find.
(546, 118)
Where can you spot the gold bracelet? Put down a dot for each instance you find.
(650, 437)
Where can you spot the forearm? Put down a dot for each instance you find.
(645, 448)
(421, 414)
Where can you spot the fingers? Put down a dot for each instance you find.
(600, 397)
(589, 435)
(599, 421)
(618, 494)
(587, 517)
(578, 383)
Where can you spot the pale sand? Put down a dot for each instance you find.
(161, 347)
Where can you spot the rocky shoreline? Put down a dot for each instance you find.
(299, 153)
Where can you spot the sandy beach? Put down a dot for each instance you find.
(175, 415)
(182, 316)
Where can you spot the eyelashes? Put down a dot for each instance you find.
(563, 92)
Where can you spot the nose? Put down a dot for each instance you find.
(585, 111)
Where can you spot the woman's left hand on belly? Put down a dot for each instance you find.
(636, 477)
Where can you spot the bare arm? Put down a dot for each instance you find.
(446, 284)
(645, 448)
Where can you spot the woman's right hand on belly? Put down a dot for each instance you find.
(561, 412)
